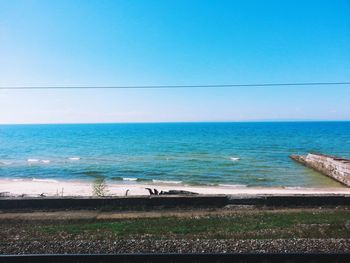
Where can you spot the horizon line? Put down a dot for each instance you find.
(34, 87)
(169, 122)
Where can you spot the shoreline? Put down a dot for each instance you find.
(52, 188)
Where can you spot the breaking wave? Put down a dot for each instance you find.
(166, 182)
(33, 160)
(129, 179)
(74, 158)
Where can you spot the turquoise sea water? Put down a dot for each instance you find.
(250, 154)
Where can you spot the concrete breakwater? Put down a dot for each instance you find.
(334, 167)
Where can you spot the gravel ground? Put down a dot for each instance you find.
(179, 246)
(311, 230)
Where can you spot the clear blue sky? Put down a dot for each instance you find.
(160, 42)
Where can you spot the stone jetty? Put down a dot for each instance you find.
(334, 167)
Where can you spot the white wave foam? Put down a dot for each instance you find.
(5, 163)
(74, 158)
(33, 160)
(235, 159)
(45, 180)
(233, 185)
(129, 179)
(166, 182)
(45, 161)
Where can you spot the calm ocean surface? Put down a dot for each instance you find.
(250, 154)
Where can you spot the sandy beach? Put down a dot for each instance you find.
(84, 188)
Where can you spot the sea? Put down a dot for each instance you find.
(238, 154)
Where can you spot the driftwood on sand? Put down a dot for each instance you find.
(170, 192)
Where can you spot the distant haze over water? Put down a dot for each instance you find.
(242, 154)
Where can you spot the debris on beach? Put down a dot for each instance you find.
(170, 192)
(5, 194)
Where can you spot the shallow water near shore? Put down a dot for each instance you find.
(242, 154)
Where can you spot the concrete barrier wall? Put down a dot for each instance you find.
(161, 202)
(112, 203)
(334, 167)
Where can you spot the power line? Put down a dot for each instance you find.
(177, 86)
